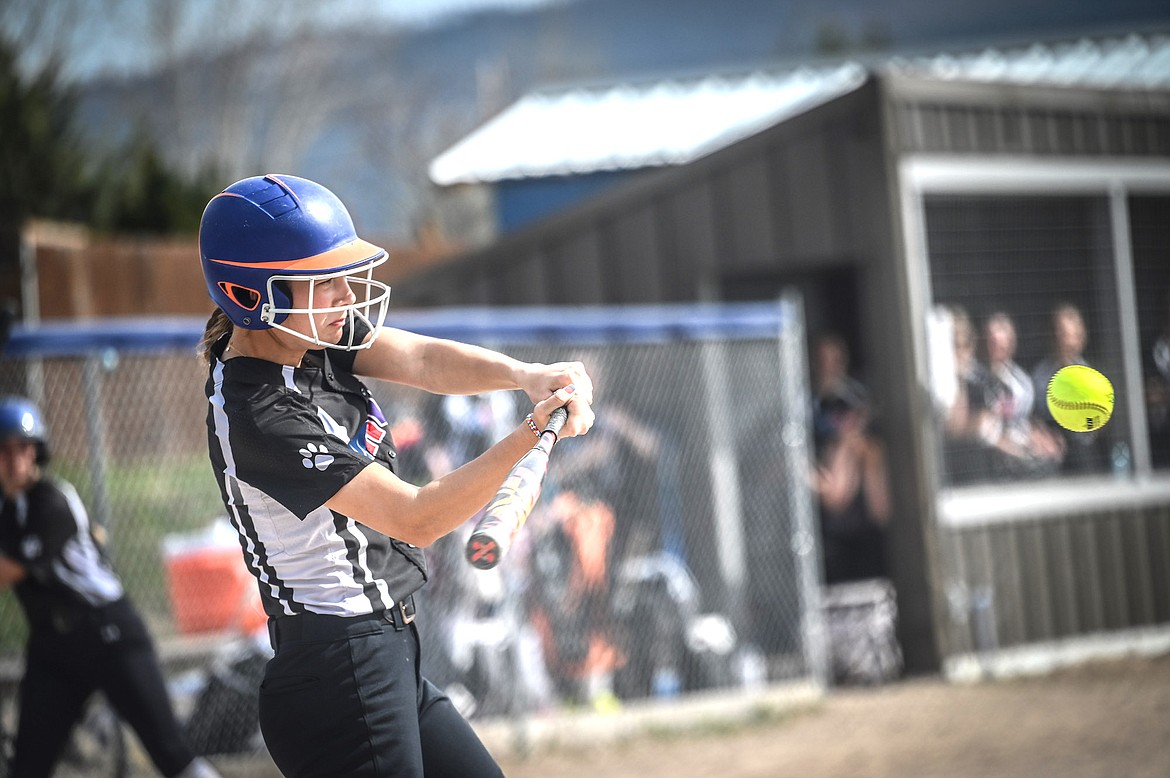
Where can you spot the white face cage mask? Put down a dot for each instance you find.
(369, 307)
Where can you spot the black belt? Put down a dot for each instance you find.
(320, 626)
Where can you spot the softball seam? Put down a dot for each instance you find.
(1069, 405)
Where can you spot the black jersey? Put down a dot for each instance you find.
(282, 442)
(46, 529)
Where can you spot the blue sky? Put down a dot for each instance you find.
(120, 36)
(117, 36)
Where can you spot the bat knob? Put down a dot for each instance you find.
(483, 551)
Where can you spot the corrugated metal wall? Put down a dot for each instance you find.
(1067, 575)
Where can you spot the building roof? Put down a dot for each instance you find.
(672, 122)
(1131, 62)
(585, 130)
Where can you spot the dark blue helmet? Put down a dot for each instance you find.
(267, 229)
(20, 418)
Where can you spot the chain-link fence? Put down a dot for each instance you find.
(674, 549)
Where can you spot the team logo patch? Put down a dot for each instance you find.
(316, 456)
(375, 432)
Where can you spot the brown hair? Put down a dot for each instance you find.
(217, 326)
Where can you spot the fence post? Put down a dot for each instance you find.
(806, 543)
(724, 473)
(92, 369)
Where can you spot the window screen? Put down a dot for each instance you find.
(1021, 285)
(1150, 230)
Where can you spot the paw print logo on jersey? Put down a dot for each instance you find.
(316, 456)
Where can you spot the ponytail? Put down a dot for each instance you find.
(217, 326)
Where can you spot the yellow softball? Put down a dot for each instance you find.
(1080, 398)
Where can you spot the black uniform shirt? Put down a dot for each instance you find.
(46, 529)
(282, 442)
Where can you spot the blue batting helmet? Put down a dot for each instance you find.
(20, 418)
(267, 229)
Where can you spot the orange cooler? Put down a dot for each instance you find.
(210, 588)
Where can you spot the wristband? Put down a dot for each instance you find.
(532, 426)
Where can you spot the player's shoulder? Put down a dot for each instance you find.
(51, 496)
(49, 489)
(269, 410)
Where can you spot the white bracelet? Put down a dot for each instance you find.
(532, 426)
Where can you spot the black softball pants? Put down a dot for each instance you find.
(345, 697)
(108, 649)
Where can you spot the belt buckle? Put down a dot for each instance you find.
(406, 617)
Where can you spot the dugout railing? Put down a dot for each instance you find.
(693, 487)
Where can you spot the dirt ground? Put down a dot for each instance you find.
(1107, 719)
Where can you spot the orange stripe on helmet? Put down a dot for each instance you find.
(356, 252)
(274, 178)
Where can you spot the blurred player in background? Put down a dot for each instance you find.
(308, 474)
(84, 634)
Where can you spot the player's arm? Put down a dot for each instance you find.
(438, 365)
(56, 523)
(11, 572)
(449, 367)
(422, 514)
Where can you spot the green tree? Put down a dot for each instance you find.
(42, 170)
(47, 172)
(135, 192)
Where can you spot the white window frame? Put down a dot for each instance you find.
(920, 176)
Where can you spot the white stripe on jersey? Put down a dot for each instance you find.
(310, 557)
(251, 553)
(81, 567)
(363, 545)
(321, 579)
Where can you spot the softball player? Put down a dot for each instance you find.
(84, 634)
(306, 468)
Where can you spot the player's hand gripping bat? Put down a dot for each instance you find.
(509, 509)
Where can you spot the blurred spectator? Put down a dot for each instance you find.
(570, 598)
(964, 455)
(831, 379)
(630, 465)
(1020, 447)
(852, 485)
(850, 479)
(853, 492)
(1084, 451)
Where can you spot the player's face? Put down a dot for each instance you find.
(18, 465)
(325, 296)
(1070, 334)
(1001, 341)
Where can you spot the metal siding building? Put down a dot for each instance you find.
(892, 196)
